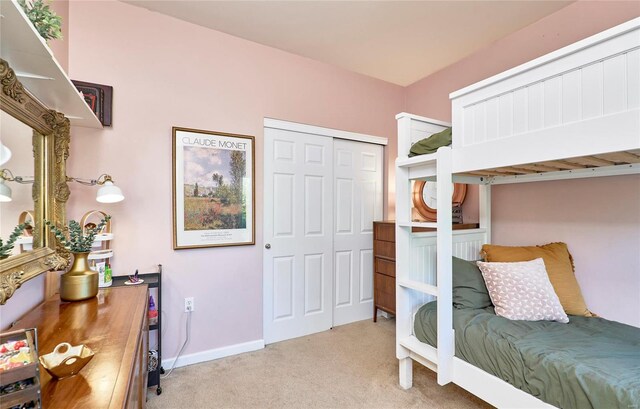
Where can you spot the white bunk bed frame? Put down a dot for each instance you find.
(573, 113)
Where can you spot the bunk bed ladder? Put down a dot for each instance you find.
(406, 281)
(403, 256)
(444, 244)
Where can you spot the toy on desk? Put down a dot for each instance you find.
(153, 311)
(134, 280)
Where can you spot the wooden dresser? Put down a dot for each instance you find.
(384, 263)
(114, 325)
(384, 267)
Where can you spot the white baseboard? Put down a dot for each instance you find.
(212, 354)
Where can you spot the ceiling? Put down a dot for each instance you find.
(395, 41)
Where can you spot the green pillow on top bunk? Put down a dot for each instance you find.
(431, 144)
(469, 289)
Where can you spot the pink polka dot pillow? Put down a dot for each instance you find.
(522, 291)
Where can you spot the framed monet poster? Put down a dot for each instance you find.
(213, 189)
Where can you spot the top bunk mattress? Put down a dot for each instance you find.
(587, 363)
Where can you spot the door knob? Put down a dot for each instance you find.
(267, 246)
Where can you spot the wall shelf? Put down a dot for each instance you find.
(25, 240)
(100, 238)
(100, 255)
(37, 69)
(25, 243)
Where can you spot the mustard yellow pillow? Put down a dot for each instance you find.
(559, 265)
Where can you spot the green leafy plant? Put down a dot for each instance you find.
(6, 247)
(45, 20)
(79, 240)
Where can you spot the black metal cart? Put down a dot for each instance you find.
(153, 280)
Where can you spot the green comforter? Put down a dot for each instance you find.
(587, 363)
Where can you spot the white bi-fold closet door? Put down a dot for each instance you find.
(357, 202)
(321, 195)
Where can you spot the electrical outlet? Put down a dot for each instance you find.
(189, 304)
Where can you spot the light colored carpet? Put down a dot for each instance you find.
(351, 366)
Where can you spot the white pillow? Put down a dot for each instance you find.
(522, 291)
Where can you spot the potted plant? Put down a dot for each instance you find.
(80, 282)
(6, 247)
(46, 21)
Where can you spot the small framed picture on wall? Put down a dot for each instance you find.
(213, 189)
(99, 98)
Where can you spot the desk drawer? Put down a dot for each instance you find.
(384, 231)
(385, 267)
(385, 292)
(385, 249)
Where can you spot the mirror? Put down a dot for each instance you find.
(17, 163)
(48, 141)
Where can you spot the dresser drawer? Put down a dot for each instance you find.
(385, 292)
(385, 267)
(385, 249)
(384, 231)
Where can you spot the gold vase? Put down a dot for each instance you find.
(80, 282)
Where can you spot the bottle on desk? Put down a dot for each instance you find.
(105, 276)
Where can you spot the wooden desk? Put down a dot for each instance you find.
(114, 325)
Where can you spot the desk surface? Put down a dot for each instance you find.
(110, 324)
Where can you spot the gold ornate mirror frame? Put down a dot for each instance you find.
(50, 191)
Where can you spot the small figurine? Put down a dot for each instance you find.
(135, 278)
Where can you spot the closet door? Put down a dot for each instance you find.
(358, 184)
(298, 236)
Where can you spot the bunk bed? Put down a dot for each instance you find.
(573, 113)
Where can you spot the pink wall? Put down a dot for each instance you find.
(430, 95)
(60, 47)
(166, 73)
(598, 218)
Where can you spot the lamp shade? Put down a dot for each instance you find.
(5, 192)
(5, 154)
(109, 193)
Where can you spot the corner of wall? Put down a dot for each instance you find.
(60, 47)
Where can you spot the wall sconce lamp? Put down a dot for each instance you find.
(5, 154)
(7, 176)
(108, 192)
